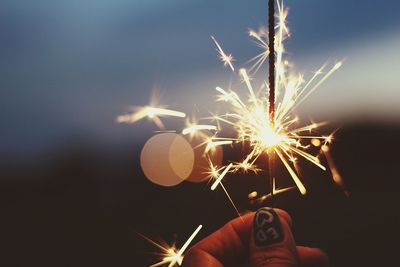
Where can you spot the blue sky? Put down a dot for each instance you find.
(69, 67)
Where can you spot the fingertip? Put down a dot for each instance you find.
(226, 245)
(197, 258)
(285, 216)
(272, 241)
(312, 257)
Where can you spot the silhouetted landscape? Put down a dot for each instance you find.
(83, 204)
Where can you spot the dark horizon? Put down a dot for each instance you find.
(84, 205)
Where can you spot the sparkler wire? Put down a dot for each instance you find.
(271, 61)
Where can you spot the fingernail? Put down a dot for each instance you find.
(267, 227)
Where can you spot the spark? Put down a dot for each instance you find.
(337, 178)
(275, 191)
(316, 86)
(260, 58)
(198, 127)
(151, 112)
(220, 177)
(252, 195)
(179, 255)
(226, 59)
(247, 167)
(170, 254)
(214, 173)
(214, 142)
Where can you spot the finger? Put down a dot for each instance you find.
(225, 247)
(272, 243)
(228, 245)
(312, 257)
(198, 258)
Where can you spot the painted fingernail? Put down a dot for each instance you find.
(267, 227)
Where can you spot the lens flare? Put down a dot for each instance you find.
(167, 159)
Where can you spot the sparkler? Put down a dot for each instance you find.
(268, 129)
(263, 122)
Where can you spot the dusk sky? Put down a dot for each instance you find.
(70, 67)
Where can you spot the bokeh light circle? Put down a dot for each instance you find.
(167, 159)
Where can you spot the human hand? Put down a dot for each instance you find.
(262, 239)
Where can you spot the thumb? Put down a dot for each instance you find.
(272, 243)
